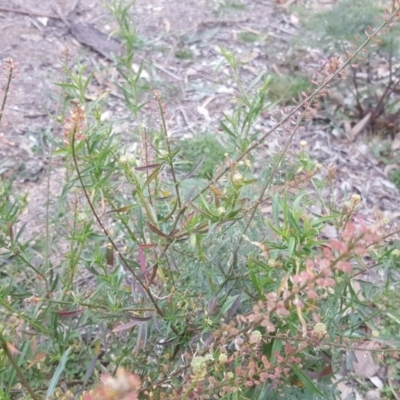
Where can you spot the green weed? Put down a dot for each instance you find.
(395, 177)
(184, 54)
(204, 148)
(286, 89)
(248, 37)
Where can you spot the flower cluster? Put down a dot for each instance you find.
(75, 124)
(124, 386)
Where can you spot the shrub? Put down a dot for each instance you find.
(229, 290)
(370, 90)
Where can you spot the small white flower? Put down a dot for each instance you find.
(320, 329)
(355, 200)
(347, 204)
(229, 375)
(303, 144)
(385, 221)
(199, 366)
(126, 159)
(82, 217)
(223, 358)
(255, 337)
(221, 210)
(237, 177)
(272, 263)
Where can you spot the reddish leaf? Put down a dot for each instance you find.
(142, 262)
(39, 357)
(69, 314)
(156, 230)
(13, 350)
(153, 275)
(324, 372)
(148, 246)
(212, 306)
(148, 167)
(131, 324)
(232, 310)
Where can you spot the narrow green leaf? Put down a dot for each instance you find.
(296, 203)
(227, 130)
(152, 176)
(306, 381)
(194, 170)
(57, 374)
(275, 210)
(276, 349)
(276, 230)
(293, 223)
(291, 246)
(253, 276)
(88, 80)
(256, 80)
(231, 299)
(171, 213)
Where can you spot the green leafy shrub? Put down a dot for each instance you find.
(230, 290)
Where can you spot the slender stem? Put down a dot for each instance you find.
(167, 138)
(17, 369)
(10, 66)
(271, 177)
(189, 389)
(306, 101)
(254, 322)
(105, 231)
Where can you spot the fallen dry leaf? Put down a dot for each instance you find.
(396, 143)
(358, 127)
(389, 168)
(364, 363)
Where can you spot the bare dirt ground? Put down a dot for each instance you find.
(35, 34)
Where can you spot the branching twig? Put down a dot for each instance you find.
(104, 229)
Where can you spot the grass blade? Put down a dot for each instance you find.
(57, 374)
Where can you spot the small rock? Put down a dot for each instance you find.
(373, 395)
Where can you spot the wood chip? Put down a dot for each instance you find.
(92, 37)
